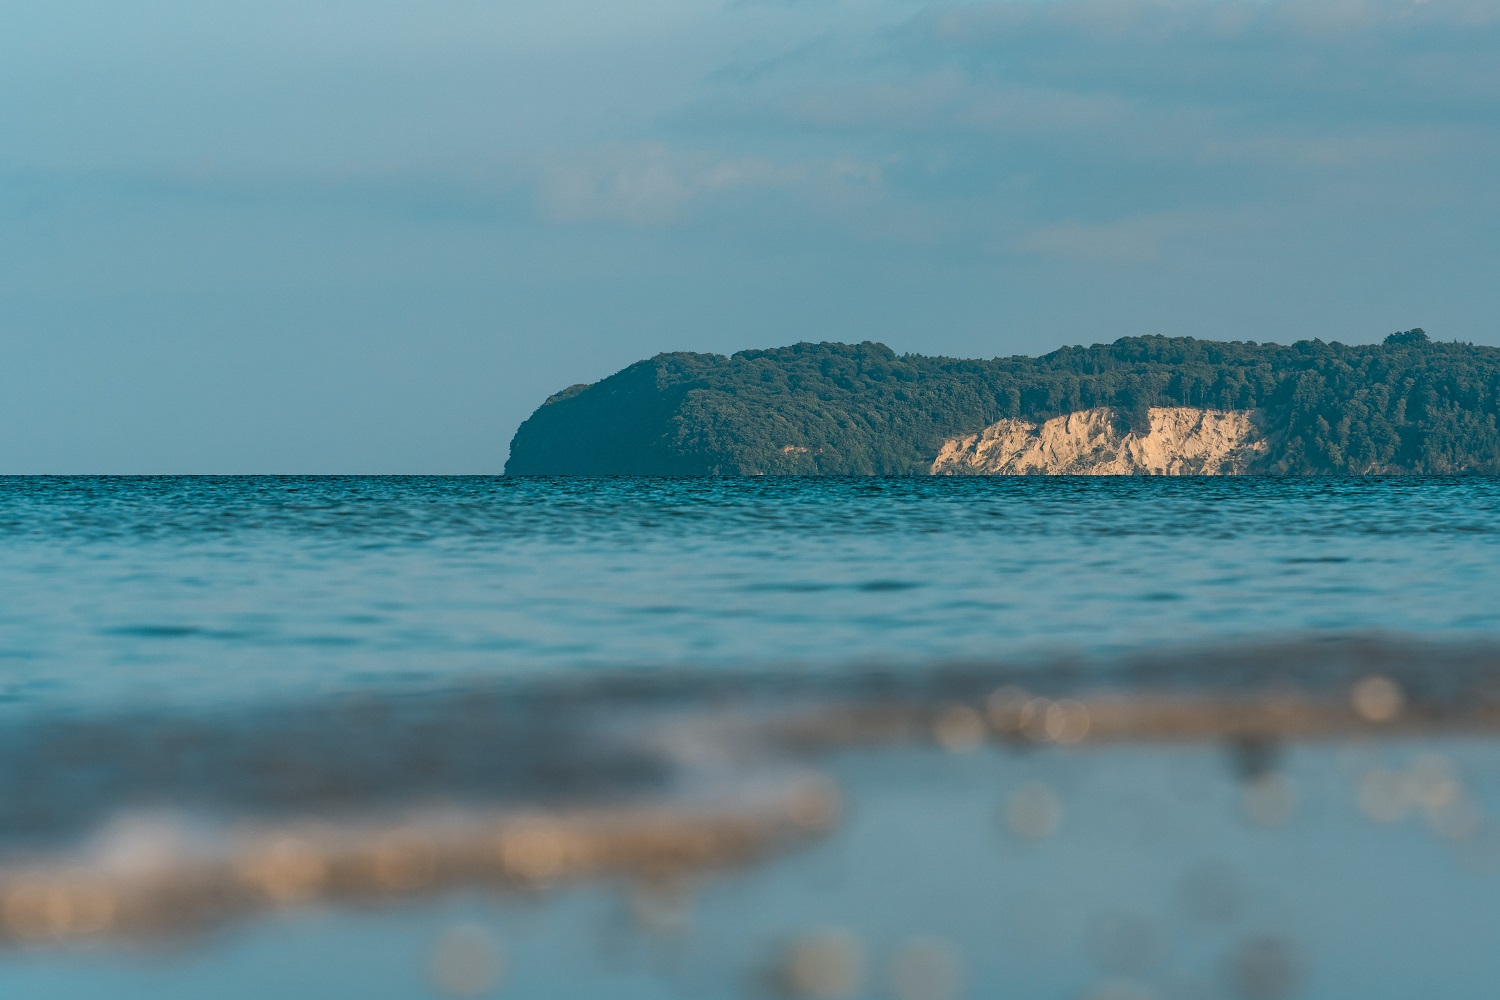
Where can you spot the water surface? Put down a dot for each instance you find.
(199, 590)
(182, 659)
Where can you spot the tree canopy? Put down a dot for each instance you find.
(1407, 405)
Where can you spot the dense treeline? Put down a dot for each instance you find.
(1408, 405)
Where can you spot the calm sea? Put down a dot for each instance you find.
(182, 659)
(210, 590)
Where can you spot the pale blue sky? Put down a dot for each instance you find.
(371, 236)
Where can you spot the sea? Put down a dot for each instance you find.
(200, 590)
(136, 609)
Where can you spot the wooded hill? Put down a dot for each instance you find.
(1408, 405)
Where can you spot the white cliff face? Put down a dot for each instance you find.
(1182, 441)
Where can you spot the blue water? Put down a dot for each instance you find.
(238, 592)
(209, 590)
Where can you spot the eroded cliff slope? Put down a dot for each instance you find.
(1180, 441)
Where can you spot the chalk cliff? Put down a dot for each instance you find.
(1180, 441)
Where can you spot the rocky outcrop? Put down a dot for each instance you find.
(1180, 441)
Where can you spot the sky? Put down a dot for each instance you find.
(371, 236)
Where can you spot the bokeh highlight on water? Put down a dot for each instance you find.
(211, 590)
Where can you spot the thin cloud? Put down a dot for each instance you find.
(652, 184)
(1136, 240)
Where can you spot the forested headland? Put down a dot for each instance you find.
(1408, 405)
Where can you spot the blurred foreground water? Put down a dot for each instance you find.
(653, 738)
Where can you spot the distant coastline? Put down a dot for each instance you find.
(1141, 405)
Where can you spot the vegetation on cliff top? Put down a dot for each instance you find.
(1408, 405)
